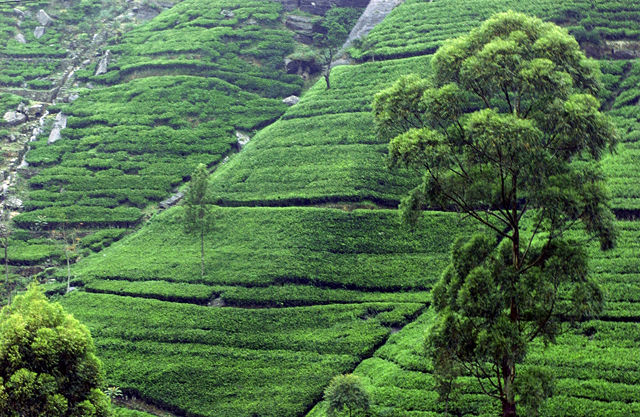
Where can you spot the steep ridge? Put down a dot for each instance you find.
(375, 13)
(337, 281)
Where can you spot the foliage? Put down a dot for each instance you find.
(48, 364)
(335, 25)
(507, 102)
(346, 392)
(419, 27)
(197, 210)
(230, 361)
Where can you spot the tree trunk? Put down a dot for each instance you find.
(66, 254)
(202, 251)
(327, 73)
(508, 409)
(6, 264)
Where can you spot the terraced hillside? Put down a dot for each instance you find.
(309, 272)
(173, 95)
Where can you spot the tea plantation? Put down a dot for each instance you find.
(176, 90)
(309, 270)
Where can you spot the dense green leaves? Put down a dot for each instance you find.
(48, 365)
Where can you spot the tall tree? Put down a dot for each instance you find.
(5, 233)
(508, 131)
(197, 207)
(48, 365)
(336, 25)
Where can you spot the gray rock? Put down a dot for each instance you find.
(20, 38)
(243, 138)
(73, 97)
(171, 201)
(35, 110)
(104, 63)
(13, 203)
(59, 124)
(38, 32)
(18, 13)
(291, 100)
(12, 138)
(14, 118)
(227, 13)
(86, 62)
(43, 18)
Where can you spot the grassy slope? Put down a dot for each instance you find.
(322, 147)
(176, 90)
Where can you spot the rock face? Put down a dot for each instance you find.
(291, 100)
(43, 18)
(303, 26)
(35, 111)
(14, 118)
(303, 68)
(20, 38)
(18, 13)
(59, 124)
(375, 12)
(243, 139)
(171, 201)
(103, 64)
(320, 7)
(38, 32)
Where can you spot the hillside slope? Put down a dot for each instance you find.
(294, 295)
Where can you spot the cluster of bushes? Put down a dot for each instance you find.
(418, 27)
(360, 250)
(323, 150)
(262, 356)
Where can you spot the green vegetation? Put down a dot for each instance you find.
(362, 249)
(323, 150)
(188, 79)
(235, 362)
(197, 209)
(291, 296)
(508, 101)
(48, 365)
(420, 27)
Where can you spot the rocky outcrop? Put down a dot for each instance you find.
(20, 38)
(38, 32)
(14, 118)
(303, 26)
(43, 18)
(171, 201)
(302, 67)
(18, 13)
(35, 111)
(375, 13)
(104, 63)
(243, 139)
(59, 124)
(320, 7)
(291, 100)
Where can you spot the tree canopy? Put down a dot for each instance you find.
(507, 130)
(197, 207)
(48, 365)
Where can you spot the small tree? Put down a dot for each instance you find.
(69, 241)
(336, 26)
(345, 392)
(197, 207)
(5, 234)
(48, 365)
(509, 132)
